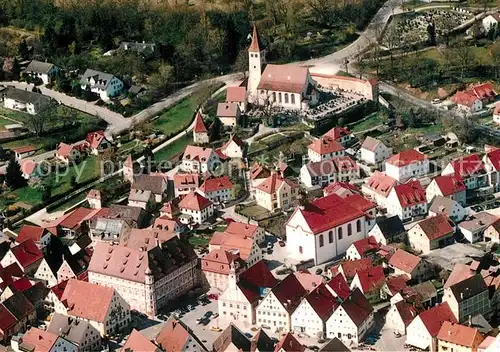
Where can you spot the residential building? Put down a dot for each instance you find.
(185, 183)
(491, 163)
(195, 209)
(474, 228)
(341, 134)
(369, 281)
(400, 315)
(388, 230)
(47, 273)
(71, 152)
(147, 270)
(136, 216)
(407, 200)
(311, 315)
(108, 230)
(289, 343)
(415, 268)
(467, 101)
(448, 207)
(352, 319)
(492, 232)
(470, 168)
(322, 173)
(138, 342)
(129, 170)
(79, 332)
(231, 339)
(74, 266)
(42, 70)
(228, 113)
(324, 148)
(427, 293)
(29, 169)
(378, 187)
(365, 247)
(200, 132)
(176, 336)
(234, 147)
(325, 228)
(374, 152)
(24, 100)
(490, 22)
(40, 340)
(246, 230)
(199, 159)
(407, 164)
(468, 297)
(276, 192)
(237, 95)
(308, 280)
(216, 266)
(240, 299)
(431, 233)
(97, 142)
(217, 190)
(334, 345)
(24, 151)
(496, 114)
(424, 329)
(246, 247)
(456, 337)
(349, 268)
(102, 307)
(258, 174)
(338, 286)
(141, 199)
(39, 235)
(451, 186)
(168, 224)
(26, 255)
(105, 85)
(342, 189)
(276, 308)
(156, 184)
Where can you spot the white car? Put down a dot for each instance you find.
(436, 101)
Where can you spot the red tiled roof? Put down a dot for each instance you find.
(284, 78)
(27, 253)
(289, 344)
(254, 279)
(199, 125)
(236, 94)
(484, 91)
(326, 145)
(339, 285)
(254, 45)
(64, 149)
(357, 307)
(371, 279)
(468, 165)
(460, 335)
(436, 226)
(193, 152)
(42, 340)
(435, 317)
(337, 132)
(227, 109)
(28, 166)
(28, 231)
(86, 300)
(24, 149)
(7, 319)
(289, 292)
(341, 188)
(173, 336)
(407, 312)
(74, 219)
(397, 284)
(21, 284)
(360, 202)
(365, 245)
(216, 184)
(328, 212)
(95, 138)
(164, 223)
(241, 229)
(406, 158)
(381, 183)
(450, 184)
(410, 194)
(138, 342)
(59, 288)
(465, 98)
(218, 261)
(322, 301)
(404, 261)
(274, 182)
(194, 201)
(351, 267)
(308, 280)
(256, 170)
(186, 180)
(494, 157)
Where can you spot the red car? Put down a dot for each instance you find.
(281, 243)
(213, 296)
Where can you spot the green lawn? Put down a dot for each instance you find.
(12, 114)
(199, 241)
(69, 203)
(174, 148)
(4, 122)
(35, 142)
(177, 118)
(372, 121)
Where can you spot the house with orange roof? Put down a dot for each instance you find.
(450, 186)
(456, 337)
(195, 209)
(378, 187)
(415, 268)
(217, 264)
(71, 152)
(185, 183)
(26, 254)
(29, 168)
(237, 95)
(234, 147)
(363, 248)
(245, 247)
(24, 151)
(352, 319)
(38, 234)
(470, 168)
(97, 142)
(200, 132)
(341, 134)
(138, 342)
(236, 228)
(41, 340)
(176, 336)
(322, 173)
(374, 152)
(324, 148)
(199, 159)
(277, 192)
(217, 189)
(369, 281)
(407, 200)
(431, 233)
(407, 164)
(467, 101)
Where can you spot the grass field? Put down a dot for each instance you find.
(177, 118)
(372, 121)
(174, 148)
(4, 122)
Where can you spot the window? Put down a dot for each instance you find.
(300, 250)
(321, 241)
(330, 237)
(340, 233)
(286, 98)
(349, 230)
(279, 97)
(358, 225)
(292, 96)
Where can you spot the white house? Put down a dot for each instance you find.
(237, 95)
(388, 230)
(378, 187)
(217, 190)
(490, 22)
(431, 233)
(423, 330)
(492, 165)
(415, 268)
(374, 152)
(473, 229)
(277, 307)
(407, 200)
(443, 205)
(341, 134)
(322, 173)
(407, 164)
(467, 102)
(369, 281)
(43, 70)
(311, 315)
(46, 274)
(228, 113)
(199, 159)
(352, 320)
(39, 235)
(362, 248)
(103, 84)
(451, 186)
(234, 147)
(470, 168)
(24, 100)
(276, 192)
(325, 228)
(324, 148)
(195, 209)
(400, 315)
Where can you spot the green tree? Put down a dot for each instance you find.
(23, 49)
(16, 69)
(74, 182)
(14, 175)
(495, 58)
(160, 81)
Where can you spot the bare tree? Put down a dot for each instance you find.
(461, 55)
(44, 116)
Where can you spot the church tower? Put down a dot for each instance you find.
(255, 63)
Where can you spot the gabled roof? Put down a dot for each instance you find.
(341, 189)
(289, 292)
(199, 125)
(322, 301)
(494, 156)
(95, 138)
(227, 109)
(41, 340)
(406, 158)
(24, 149)
(261, 342)
(138, 342)
(365, 245)
(433, 318)
(289, 343)
(337, 132)
(460, 335)
(442, 205)
(236, 94)
(325, 145)
(397, 284)
(371, 279)
(468, 165)
(459, 273)
(216, 184)
(102, 79)
(19, 305)
(465, 98)
(194, 201)
(407, 312)
(468, 288)
(39, 66)
(241, 229)
(390, 226)
(334, 345)
(404, 261)
(7, 319)
(58, 289)
(450, 184)
(284, 78)
(219, 261)
(200, 154)
(186, 180)
(436, 227)
(26, 96)
(231, 335)
(273, 183)
(155, 184)
(27, 253)
(351, 267)
(339, 285)
(426, 290)
(357, 307)
(254, 279)
(371, 144)
(380, 183)
(410, 194)
(30, 232)
(258, 171)
(174, 335)
(484, 91)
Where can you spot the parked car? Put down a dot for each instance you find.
(269, 245)
(208, 314)
(215, 315)
(247, 334)
(319, 271)
(213, 296)
(281, 243)
(216, 329)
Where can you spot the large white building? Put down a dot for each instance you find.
(407, 200)
(407, 164)
(199, 159)
(322, 173)
(325, 228)
(148, 270)
(450, 186)
(374, 152)
(103, 84)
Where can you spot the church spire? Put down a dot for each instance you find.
(254, 45)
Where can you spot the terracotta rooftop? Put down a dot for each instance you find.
(468, 165)
(241, 229)
(322, 302)
(138, 342)
(450, 184)
(342, 189)
(308, 280)
(371, 279)
(351, 267)
(41, 340)
(434, 318)
(289, 343)
(194, 201)
(216, 184)
(337, 132)
(236, 94)
(255, 44)
(436, 227)
(227, 110)
(254, 279)
(284, 78)
(174, 336)
(370, 144)
(27, 253)
(339, 286)
(410, 194)
(460, 335)
(494, 156)
(407, 312)
(368, 244)
(326, 145)
(199, 125)
(289, 292)
(380, 183)
(30, 232)
(406, 157)
(219, 261)
(200, 154)
(404, 261)
(357, 307)
(274, 182)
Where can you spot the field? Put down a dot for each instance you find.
(177, 118)
(372, 121)
(174, 148)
